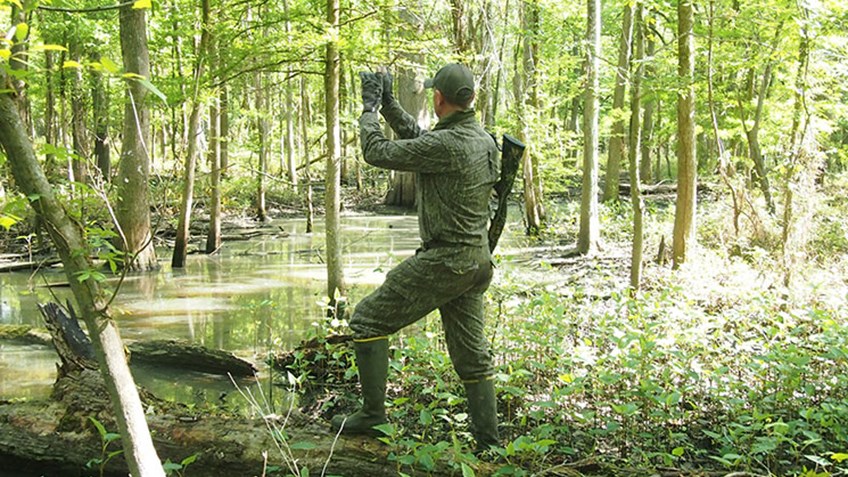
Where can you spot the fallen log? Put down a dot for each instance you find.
(60, 435)
(24, 334)
(658, 189)
(28, 265)
(197, 358)
(31, 437)
(171, 353)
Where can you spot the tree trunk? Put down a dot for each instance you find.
(753, 136)
(332, 199)
(79, 127)
(534, 212)
(50, 126)
(72, 248)
(589, 235)
(305, 113)
(646, 142)
(224, 131)
(100, 105)
(18, 62)
(618, 141)
(213, 237)
(133, 209)
(413, 99)
(485, 95)
(634, 150)
(262, 132)
(184, 221)
(291, 162)
(684, 241)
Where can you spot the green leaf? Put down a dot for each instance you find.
(171, 466)
(819, 460)
(111, 436)
(839, 457)
(100, 429)
(21, 31)
(386, 429)
(139, 4)
(467, 471)
(5, 53)
(109, 65)
(49, 47)
(677, 451)
(8, 220)
(71, 64)
(426, 461)
(189, 460)
(153, 89)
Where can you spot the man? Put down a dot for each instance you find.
(457, 164)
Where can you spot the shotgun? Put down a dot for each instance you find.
(511, 153)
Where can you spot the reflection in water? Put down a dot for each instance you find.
(252, 298)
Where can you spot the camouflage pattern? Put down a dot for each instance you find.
(457, 164)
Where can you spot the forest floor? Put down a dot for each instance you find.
(732, 364)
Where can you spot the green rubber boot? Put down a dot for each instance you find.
(483, 409)
(372, 357)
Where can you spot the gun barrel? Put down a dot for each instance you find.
(511, 153)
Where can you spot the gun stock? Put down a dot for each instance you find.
(511, 153)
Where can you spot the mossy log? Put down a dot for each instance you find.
(31, 437)
(57, 437)
(188, 356)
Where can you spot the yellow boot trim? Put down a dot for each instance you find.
(479, 380)
(368, 340)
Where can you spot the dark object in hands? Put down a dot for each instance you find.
(387, 88)
(511, 154)
(372, 91)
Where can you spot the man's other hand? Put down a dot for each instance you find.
(372, 91)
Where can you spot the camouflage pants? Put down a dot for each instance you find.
(450, 279)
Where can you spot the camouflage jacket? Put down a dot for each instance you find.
(456, 166)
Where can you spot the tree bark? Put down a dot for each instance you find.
(534, 212)
(634, 150)
(70, 243)
(100, 105)
(648, 100)
(332, 198)
(184, 222)
(305, 118)
(618, 141)
(684, 241)
(50, 126)
(262, 132)
(589, 234)
(18, 62)
(288, 146)
(213, 237)
(79, 127)
(133, 209)
(224, 132)
(413, 99)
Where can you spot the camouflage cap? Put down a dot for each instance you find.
(455, 81)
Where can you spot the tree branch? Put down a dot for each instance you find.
(104, 8)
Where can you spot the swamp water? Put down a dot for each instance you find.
(253, 298)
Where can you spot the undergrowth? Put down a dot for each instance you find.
(716, 367)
